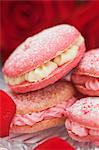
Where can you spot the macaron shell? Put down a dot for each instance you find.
(42, 125)
(93, 139)
(53, 77)
(39, 49)
(85, 112)
(45, 98)
(85, 91)
(79, 79)
(78, 138)
(79, 82)
(89, 65)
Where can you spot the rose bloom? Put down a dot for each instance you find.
(21, 19)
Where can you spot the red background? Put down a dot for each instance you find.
(21, 19)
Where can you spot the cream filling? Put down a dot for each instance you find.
(57, 111)
(47, 68)
(79, 130)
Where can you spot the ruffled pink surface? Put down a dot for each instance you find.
(92, 84)
(55, 112)
(78, 130)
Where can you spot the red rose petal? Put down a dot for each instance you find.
(55, 143)
(7, 111)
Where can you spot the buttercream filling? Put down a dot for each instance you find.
(92, 84)
(57, 111)
(46, 69)
(79, 130)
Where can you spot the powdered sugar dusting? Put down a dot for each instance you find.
(42, 99)
(90, 63)
(39, 49)
(85, 111)
(57, 111)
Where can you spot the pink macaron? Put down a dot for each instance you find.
(44, 58)
(42, 109)
(86, 75)
(83, 120)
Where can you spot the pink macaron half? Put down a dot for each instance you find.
(83, 120)
(44, 58)
(42, 109)
(86, 75)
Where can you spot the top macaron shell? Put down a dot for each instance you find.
(89, 65)
(42, 99)
(39, 49)
(85, 112)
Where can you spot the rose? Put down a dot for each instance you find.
(21, 19)
(86, 19)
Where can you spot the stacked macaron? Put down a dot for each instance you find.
(83, 116)
(86, 75)
(83, 120)
(43, 108)
(32, 72)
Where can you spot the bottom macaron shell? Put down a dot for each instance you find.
(38, 126)
(89, 138)
(85, 91)
(78, 138)
(56, 75)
